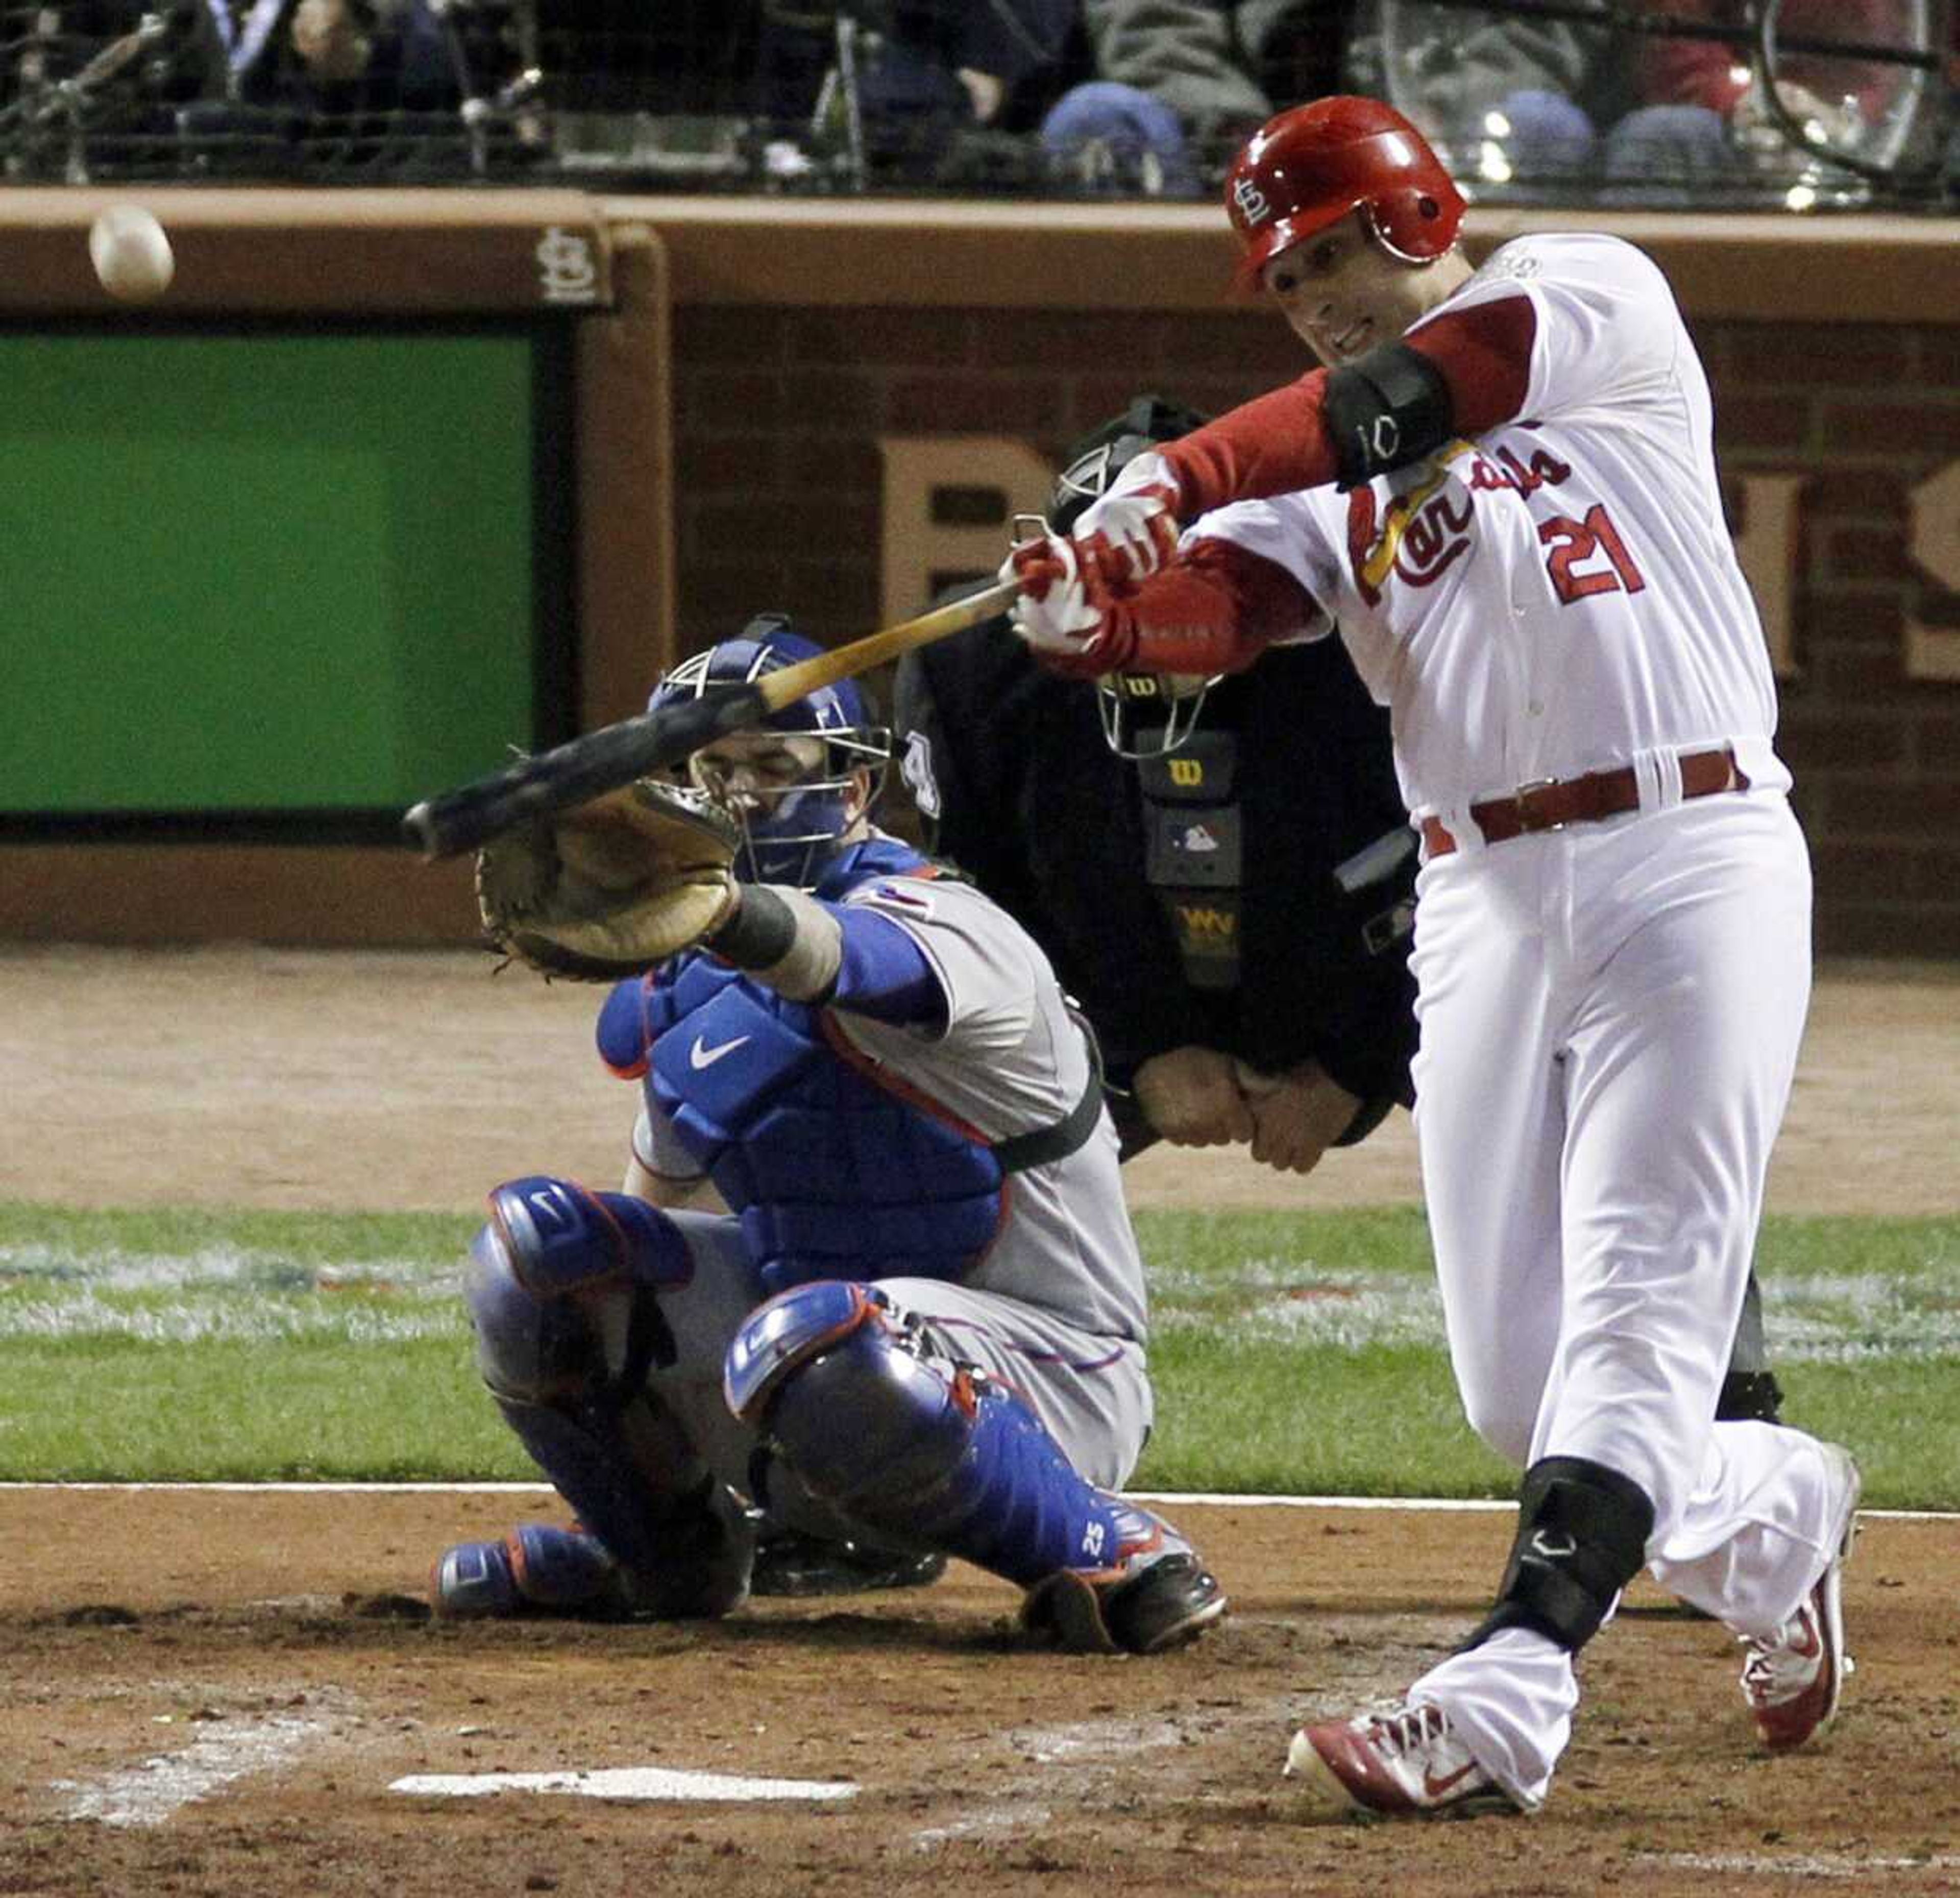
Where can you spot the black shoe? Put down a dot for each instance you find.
(1162, 1604)
(1171, 1602)
(1749, 1397)
(788, 1563)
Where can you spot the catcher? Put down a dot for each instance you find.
(920, 1320)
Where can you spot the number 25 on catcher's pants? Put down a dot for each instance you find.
(1574, 542)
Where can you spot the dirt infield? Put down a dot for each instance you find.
(305, 1078)
(213, 1693)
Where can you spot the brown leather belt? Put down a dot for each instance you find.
(1553, 803)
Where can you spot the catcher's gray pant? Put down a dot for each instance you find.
(1092, 1393)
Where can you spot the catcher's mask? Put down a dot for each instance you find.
(1144, 714)
(1150, 714)
(792, 800)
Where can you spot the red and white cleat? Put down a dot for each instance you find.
(1793, 1681)
(1405, 1763)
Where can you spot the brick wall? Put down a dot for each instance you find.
(1868, 413)
(778, 413)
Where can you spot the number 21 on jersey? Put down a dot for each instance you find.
(1587, 557)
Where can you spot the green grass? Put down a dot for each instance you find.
(1292, 1352)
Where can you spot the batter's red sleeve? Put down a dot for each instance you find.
(1214, 609)
(1277, 444)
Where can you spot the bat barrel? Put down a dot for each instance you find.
(575, 773)
(605, 760)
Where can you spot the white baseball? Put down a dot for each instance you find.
(130, 254)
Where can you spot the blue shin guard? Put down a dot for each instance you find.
(552, 1253)
(923, 1451)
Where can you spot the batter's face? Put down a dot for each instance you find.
(1343, 294)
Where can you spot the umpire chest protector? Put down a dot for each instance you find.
(1193, 845)
(832, 1175)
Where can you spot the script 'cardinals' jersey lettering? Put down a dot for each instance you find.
(1561, 594)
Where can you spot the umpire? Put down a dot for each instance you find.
(1221, 872)
(1238, 934)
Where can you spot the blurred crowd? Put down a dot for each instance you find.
(1697, 100)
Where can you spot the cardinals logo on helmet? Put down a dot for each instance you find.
(1254, 205)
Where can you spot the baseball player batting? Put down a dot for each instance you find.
(872, 1272)
(1501, 483)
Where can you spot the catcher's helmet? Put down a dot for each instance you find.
(789, 828)
(1308, 167)
(1144, 714)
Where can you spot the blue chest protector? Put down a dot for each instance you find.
(831, 1175)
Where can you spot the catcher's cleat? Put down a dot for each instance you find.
(1157, 1595)
(1793, 1681)
(1404, 1763)
(539, 1568)
(536, 1568)
(792, 1564)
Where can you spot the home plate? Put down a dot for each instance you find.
(623, 1782)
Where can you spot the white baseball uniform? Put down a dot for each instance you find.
(1610, 1012)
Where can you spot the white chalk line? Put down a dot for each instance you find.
(984, 1822)
(622, 1782)
(1066, 1754)
(1170, 1498)
(1806, 1864)
(1062, 1765)
(148, 1793)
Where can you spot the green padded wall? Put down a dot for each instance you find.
(262, 571)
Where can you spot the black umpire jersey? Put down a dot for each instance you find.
(1192, 899)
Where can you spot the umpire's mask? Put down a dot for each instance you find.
(1144, 714)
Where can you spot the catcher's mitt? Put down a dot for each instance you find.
(612, 887)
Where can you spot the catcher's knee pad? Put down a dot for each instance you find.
(1581, 1536)
(846, 1396)
(562, 1238)
(910, 1444)
(551, 1253)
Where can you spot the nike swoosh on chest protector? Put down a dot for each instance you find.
(701, 1056)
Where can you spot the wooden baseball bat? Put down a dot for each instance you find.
(588, 768)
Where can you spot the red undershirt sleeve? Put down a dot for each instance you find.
(1277, 443)
(1214, 609)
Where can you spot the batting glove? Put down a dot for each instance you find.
(1064, 612)
(1132, 530)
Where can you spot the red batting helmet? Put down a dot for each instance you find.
(1311, 166)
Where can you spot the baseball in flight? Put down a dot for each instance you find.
(130, 254)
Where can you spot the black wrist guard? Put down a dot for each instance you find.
(1391, 407)
(760, 931)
